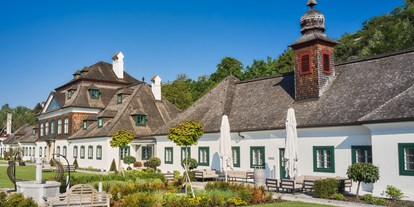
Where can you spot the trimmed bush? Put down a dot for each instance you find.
(16, 200)
(379, 201)
(368, 198)
(338, 196)
(76, 163)
(154, 162)
(192, 163)
(113, 166)
(325, 188)
(137, 164)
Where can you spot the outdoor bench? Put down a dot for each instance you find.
(290, 186)
(272, 184)
(206, 174)
(72, 168)
(168, 176)
(240, 175)
(81, 195)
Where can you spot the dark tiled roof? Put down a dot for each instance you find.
(18, 134)
(376, 89)
(101, 72)
(141, 98)
(29, 137)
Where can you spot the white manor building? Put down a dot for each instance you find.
(356, 111)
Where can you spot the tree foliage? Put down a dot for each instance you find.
(178, 92)
(122, 138)
(363, 172)
(20, 116)
(186, 133)
(154, 162)
(227, 66)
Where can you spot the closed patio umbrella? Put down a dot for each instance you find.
(225, 147)
(291, 148)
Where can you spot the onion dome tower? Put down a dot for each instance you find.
(313, 51)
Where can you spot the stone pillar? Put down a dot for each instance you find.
(38, 170)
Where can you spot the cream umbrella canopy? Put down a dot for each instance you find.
(225, 147)
(291, 148)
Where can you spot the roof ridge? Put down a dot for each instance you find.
(385, 103)
(265, 77)
(379, 56)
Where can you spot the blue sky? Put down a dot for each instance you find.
(42, 43)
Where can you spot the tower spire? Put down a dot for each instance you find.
(311, 3)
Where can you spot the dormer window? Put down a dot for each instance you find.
(100, 122)
(70, 93)
(326, 62)
(305, 63)
(94, 94)
(140, 120)
(119, 98)
(85, 125)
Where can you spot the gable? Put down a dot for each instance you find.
(53, 105)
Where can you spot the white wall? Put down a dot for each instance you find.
(385, 139)
(108, 153)
(28, 155)
(341, 138)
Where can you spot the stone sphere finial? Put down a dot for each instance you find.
(311, 3)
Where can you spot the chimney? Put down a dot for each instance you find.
(118, 65)
(156, 87)
(9, 124)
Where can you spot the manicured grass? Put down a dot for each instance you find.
(27, 173)
(291, 204)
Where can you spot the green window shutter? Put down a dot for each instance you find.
(90, 152)
(324, 159)
(100, 122)
(204, 156)
(75, 152)
(406, 159)
(361, 154)
(65, 151)
(119, 98)
(82, 152)
(257, 157)
(94, 94)
(99, 152)
(168, 155)
(235, 153)
(140, 120)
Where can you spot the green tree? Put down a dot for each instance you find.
(363, 172)
(120, 139)
(20, 116)
(227, 66)
(186, 133)
(178, 92)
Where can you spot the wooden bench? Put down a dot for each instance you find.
(272, 183)
(240, 175)
(72, 168)
(289, 186)
(168, 176)
(206, 174)
(81, 195)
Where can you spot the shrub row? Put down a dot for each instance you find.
(16, 200)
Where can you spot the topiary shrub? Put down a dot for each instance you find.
(76, 163)
(154, 162)
(325, 188)
(368, 198)
(18, 199)
(338, 196)
(363, 172)
(137, 164)
(129, 160)
(113, 166)
(51, 162)
(192, 163)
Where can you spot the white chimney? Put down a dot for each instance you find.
(156, 87)
(9, 124)
(118, 65)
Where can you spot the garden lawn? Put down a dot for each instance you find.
(291, 204)
(28, 173)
